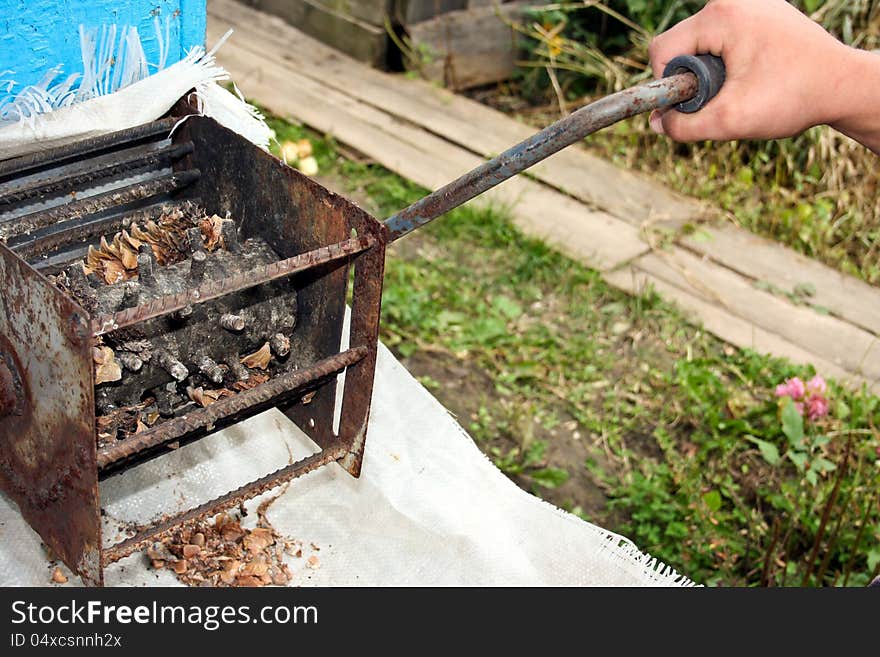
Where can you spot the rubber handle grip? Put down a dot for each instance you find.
(710, 72)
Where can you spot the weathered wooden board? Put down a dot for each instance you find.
(373, 12)
(597, 238)
(764, 260)
(728, 326)
(413, 11)
(467, 48)
(843, 344)
(464, 122)
(356, 38)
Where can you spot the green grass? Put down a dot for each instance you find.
(682, 433)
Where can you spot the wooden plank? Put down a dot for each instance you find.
(369, 11)
(414, 11)
(761, 259)
(848, 347)
(597, 238)
(727, 326)
(356, 38)
(467, 48)
(464, 122)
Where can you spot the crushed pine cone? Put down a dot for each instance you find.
(124, 422)
(212, 231)
(128, 421)
(220, 552)
(115, 259)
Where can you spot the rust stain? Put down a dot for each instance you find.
(47, 451)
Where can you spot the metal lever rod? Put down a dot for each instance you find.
(690, 79)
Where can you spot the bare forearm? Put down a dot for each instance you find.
(855, 98)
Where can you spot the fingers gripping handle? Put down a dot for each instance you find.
(710, 72)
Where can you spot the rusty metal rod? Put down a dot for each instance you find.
(659, 94)
(164, 528)
(95, 169)
(98, 203)
(265, 393)
(218, 288)
(53, 156)
(53, 237)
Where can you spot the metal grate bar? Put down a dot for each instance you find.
(54, 156)
(214, 289)
(263, 394)
(95, 170)
(162, 529)
(54, 237)
(98, 203)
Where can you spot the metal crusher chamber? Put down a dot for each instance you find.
(285, 268)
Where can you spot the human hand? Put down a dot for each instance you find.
(785, 74)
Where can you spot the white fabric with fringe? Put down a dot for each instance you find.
(117, 92)
(429, 509)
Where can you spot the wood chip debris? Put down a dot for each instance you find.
(259, 359)
(221, 552)
(126, 421)
(205, 398)
(58, 576)
(106, 367)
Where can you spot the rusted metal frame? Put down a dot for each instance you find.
(164, 528)
(262, 395)
(55, 156)
(47, 451)
(94, 204)
(369, 270)
(90, 171)
(79, 230)
(660, 94)
(214, 289)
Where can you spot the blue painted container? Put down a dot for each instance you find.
(37, 35)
